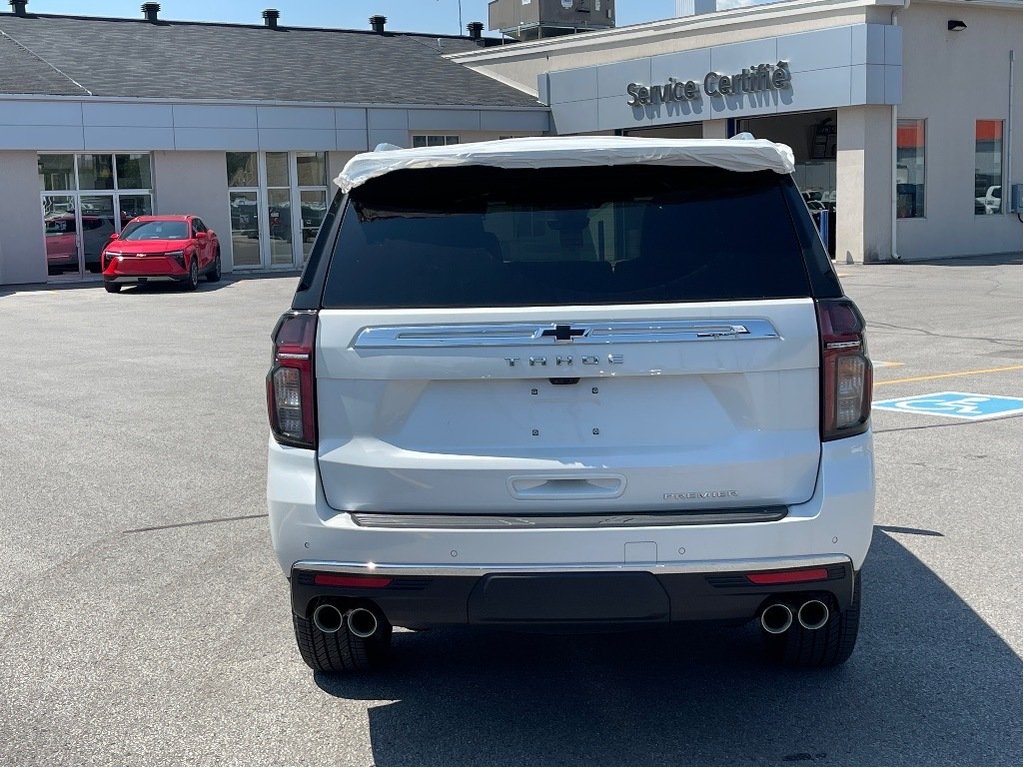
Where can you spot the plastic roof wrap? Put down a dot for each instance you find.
(738, 154)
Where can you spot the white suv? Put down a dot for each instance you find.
(564, 382)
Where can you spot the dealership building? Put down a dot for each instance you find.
(904, 117)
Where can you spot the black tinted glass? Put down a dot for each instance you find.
(156, 230)
(475, 236)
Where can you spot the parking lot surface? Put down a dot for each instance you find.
(145, 621)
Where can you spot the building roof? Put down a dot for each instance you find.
(728, 16)
(737, 154)
(84, 56)
(21, 71)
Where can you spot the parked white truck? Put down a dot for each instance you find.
(564, 382)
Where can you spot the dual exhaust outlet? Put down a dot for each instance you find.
(361, 622)
(778, 617)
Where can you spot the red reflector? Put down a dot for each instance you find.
(364, 582)
(788, 577)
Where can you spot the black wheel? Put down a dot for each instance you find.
(341, 651)
(829, 646)
(111, 287)
(213, 274)
(192, 282)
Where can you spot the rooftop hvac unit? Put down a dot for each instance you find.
(536, 19)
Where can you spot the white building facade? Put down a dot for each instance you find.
(79, 158)
(904, 116)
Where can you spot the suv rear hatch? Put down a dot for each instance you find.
(570, 341)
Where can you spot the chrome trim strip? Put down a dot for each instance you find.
(519, 334)
(536, 522)
(695, 566)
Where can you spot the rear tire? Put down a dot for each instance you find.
(829, 646)
(111, 287)
(340, 652)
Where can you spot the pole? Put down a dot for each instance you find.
(460, 17)
(1007, 181)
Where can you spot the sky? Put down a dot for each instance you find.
(432, 16)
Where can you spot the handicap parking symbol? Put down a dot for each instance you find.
(956, 405)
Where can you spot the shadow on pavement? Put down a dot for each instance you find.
(986, 260)
(171, 287)
(96, 284)
(929, 683)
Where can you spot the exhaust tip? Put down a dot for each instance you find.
(813, 614)
(362, 622)
(776, 618)
(327, 618)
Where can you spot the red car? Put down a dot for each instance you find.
(151, 248)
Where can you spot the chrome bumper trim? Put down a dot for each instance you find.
(477, 569)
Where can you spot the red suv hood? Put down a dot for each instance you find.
(146, 246)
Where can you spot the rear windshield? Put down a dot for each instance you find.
(474, 236)
(156, 230)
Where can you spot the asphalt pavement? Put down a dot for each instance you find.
(143, 619)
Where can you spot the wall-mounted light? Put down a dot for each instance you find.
(955, 25)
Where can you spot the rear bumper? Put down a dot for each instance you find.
(670, 572)
(568, 596)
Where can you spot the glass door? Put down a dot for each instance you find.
(278, 201)
(311, 174)
(279, 209)
(96, 223)
(279, 216)
(245, 228)
(60, 224)
(314, 208)
(85, 199)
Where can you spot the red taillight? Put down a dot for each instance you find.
(290, 383)
(846, 373)
(363, 582)
(788, 577)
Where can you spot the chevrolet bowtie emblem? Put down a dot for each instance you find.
(564, 332)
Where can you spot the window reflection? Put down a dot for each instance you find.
(61, 234)
(312, 168)
(133, 172)
(314, 207)
(98, 224)
(277, 169)
(988, 167)
(95, 172)
(134, 205)
(280, 218)
(56, 172)
(242, 169)
(910, 169)
(275, 222)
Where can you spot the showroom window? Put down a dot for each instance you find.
(910, 170)
(988, 167)
(85, 198)
(431, 140)
(243, 199)
(311, 170)
(272, 196)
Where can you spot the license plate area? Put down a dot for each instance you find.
(575, 598)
